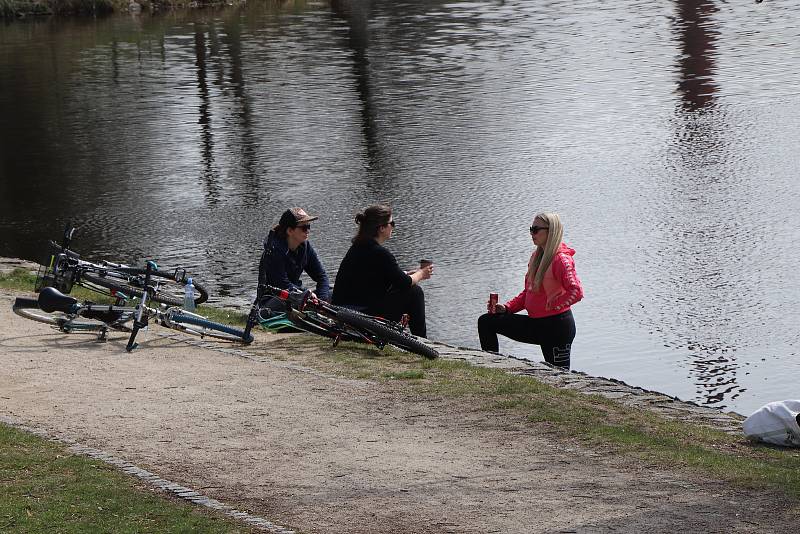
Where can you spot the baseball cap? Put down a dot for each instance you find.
(294, 216)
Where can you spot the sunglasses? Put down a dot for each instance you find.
(391, 223)
(535, 229)
(305, 227)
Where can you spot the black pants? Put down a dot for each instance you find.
(553, 334)
(410, 301)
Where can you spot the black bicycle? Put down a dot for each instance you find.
(308, 313)
(65, 269)
(68, 315)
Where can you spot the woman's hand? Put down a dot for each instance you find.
(423, 273)
(498, 308)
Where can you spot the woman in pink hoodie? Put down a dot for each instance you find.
(551, 287)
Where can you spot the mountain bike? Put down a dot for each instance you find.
(65, 269)
(308, 313)
(68, 315)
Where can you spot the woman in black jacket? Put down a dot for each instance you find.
(370, 280)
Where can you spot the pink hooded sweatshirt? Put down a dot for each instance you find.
(560, 288)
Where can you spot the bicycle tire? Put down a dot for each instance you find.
(393, 337)
(170, 291)
(208, 328)
(29, 309)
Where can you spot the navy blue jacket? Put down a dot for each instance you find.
(281, 267)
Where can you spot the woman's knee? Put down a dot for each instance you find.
(486, 321)
(557, 355)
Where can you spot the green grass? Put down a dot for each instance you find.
(44, 488)
(18, 279)
(593, 420)
(223, 315)
(23, 280)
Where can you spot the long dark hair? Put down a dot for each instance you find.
(280, 230)
(370, 221)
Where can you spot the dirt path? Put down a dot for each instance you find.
(326, 454)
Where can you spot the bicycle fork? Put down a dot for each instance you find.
(141, 319)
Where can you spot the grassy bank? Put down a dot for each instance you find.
(44, 488)
(574, 418)
(27, 8)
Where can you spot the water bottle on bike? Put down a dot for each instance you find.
(188, 297)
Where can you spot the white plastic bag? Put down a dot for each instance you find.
(777, 423)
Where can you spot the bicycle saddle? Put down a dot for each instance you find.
(52, 300)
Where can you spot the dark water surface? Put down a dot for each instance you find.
(666, 134)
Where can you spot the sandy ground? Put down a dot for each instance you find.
(324, 454)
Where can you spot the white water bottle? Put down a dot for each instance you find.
(188, 296)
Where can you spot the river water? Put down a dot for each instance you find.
(664, 133)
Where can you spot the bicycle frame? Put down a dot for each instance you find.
(118, 317)
(68, 267)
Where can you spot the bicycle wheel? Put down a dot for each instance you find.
(200, 326)
(29, 309)
(390, 335)
(130, 281)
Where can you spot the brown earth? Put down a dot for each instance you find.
(263, 430)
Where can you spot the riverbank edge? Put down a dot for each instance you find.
(631, 396)
(21, 9)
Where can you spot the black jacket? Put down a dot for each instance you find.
(367, 274)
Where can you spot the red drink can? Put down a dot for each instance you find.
(493, 302)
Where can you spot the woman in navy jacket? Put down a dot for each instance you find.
(287, 253)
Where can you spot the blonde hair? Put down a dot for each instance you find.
(542, 257)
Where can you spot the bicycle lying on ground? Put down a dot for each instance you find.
(68, 315)
(65, 269)
(308, 313)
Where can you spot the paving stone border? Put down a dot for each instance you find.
(9, 264)
(635, 397)
(153, 479)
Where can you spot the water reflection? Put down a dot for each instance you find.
(700, 280)
(697, 35)
(247, 142)
(356, 15)
(209, 174)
